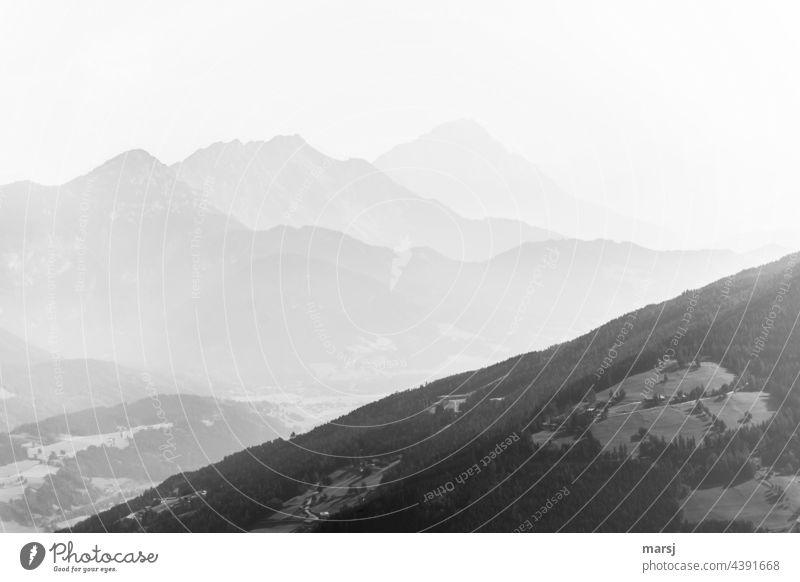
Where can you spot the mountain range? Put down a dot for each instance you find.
(286, 182)
(251, 269)
(285, 287)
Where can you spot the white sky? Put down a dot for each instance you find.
(683, 110)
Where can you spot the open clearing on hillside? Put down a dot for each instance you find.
(709, 375)
(733, 407)
(771, 503)
(622, 428)
(347, 487)
(15, 477)
(627, 417)
(767, 501)
(69, 445)
(662, 422)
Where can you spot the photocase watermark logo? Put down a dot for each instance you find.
(67, 558)
(31, 555)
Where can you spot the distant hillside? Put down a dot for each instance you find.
(49, 386)
(64, 467)
(314, 306)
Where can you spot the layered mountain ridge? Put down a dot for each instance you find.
(358, 285)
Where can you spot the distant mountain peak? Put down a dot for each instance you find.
(132, 158)
(132, 177)
(467, 131)
(21, 185)
(466, 134)
(460, 125)
(278, 141)
(293, 139)
(239, 152)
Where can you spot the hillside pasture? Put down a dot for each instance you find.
(661, 422)
(709, 375)
(772, 504)
(732, 408)
(622, 428)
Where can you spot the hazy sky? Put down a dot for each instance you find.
(686, 112)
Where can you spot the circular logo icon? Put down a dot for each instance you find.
(31, 555)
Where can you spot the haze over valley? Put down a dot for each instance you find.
(155, 318)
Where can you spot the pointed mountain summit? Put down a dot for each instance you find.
(463, 131)
(132, 179)
(135, 158)
(461, 165)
